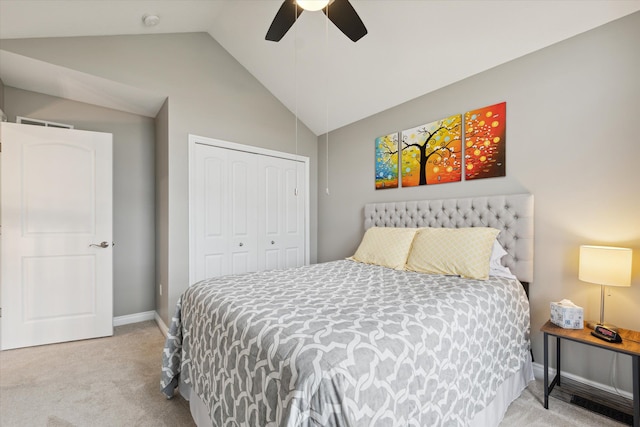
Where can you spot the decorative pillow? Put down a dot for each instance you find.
(385, 246)
(453, 251)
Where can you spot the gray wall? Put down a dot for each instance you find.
(133, 187)
(209, 94)
(572, 142)
(162, 211)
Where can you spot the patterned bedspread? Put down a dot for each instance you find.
(346, 344)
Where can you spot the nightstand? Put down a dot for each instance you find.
(583, 336)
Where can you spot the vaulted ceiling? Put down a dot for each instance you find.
(412, 47)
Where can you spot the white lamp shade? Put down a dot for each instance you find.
(605, 265)
(312, 5)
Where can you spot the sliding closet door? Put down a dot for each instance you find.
(225, 209)
(281, 217)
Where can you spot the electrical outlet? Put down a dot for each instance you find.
(160, 287)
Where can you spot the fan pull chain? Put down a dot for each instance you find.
(295, 72)
(295, 78)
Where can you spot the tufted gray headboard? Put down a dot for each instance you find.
(511, 214)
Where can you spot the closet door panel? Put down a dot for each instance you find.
(211, 195)
(270, 207)
(272, 259)
(243, 212)
(269, 212)
(293, 257)
(214, 265)
(272, 176)
(216, 195)
(281, 217)
(225, 212)
(294, 226)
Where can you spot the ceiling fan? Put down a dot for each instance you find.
(340, 12)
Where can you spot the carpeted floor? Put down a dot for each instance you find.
(115, 381)
(111, 381)
(528, 411)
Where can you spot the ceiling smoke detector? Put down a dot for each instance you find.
(150, 20)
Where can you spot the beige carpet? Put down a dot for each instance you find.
(111, 381)
(528, 411)
(115, 382)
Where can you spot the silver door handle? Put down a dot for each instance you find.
(101, 245)
(273, 243)
(241, 244)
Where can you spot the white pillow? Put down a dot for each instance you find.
(497, 252)
(502, 272)
(495, 265)
(385, 246)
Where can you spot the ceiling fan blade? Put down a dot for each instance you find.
(345, 17)
(285, 18)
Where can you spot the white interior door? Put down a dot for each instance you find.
(281, 215)
(56, 278)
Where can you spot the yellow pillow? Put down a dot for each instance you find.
(385, 246)
(455, 251)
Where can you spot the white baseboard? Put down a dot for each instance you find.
(133, 318)
(538, 372)
(141, 317)
(161, 324)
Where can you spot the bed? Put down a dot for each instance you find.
(349, 343)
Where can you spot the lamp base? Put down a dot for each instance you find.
(591, 324)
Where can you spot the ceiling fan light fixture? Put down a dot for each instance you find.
(312, 5)
(340, 12)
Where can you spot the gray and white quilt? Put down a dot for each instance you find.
(346, 344)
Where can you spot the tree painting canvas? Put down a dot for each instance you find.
(387, 161)
(432, 153)
(485, 142)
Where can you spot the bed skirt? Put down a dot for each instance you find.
(508, 391)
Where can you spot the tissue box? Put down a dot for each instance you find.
(567, 315)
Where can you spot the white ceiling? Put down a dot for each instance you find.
(413, 46)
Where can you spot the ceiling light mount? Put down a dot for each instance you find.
(150, 20)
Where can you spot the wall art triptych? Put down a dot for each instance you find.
(436, 152)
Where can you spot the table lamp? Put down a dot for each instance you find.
(605, 266)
